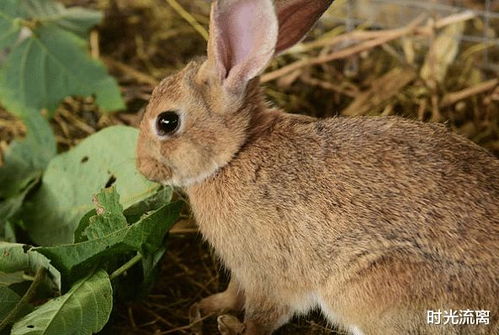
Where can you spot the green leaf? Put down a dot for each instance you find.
(141, 278)
(7, 279)
(12, 306)
(16, 257)
(133, 213)
(75, 19)
(79, 234)
(25, 159)
(43, 12)
(109, 216)
(83, 310)
(150, 270)
(9, 299)
(51, 65)
(24, 163)
(155, 201)
(73, 177)
(9, 232)
(9, 23)
(145, 236)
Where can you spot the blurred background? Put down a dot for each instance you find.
(432, 60)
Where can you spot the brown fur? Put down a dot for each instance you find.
(374, 220)
(384, 218)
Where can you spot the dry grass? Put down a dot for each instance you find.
(364, 72)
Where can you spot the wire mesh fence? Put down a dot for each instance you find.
(481, 31)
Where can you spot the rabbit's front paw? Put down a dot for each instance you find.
(232, 299)
(230, 325)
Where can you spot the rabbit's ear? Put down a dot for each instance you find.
(243, 35)
(296, 18)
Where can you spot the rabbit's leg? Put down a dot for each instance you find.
(263, 316)
(230, 325)
(232, 299)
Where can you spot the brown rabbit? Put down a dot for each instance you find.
(373, 220)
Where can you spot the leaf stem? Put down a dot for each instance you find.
(126, 266)
(30, 293)
(28, 277)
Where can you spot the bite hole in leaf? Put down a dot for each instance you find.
(110, 181)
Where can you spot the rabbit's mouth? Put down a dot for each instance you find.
(154, 170)
(165, 173)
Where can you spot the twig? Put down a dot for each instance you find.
(14, 123)
(451, 19)
(160, 318)
(359, 35)
(184, 231)
(30, 293)
(382, 90)
(189, 18)
(189, 326)
(422, 109)
(94, 44)
(76, 122)
(131, 318)
(452, 98)
(392, 35)
(184, 227)
(137, 75)
(374, 38)
(327, 86)
(64, 140)
(60, 121)
(436, 116)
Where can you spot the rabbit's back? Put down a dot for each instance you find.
(385, 179)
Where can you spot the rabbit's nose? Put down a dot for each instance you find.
(153, 170)
(143, 160)
(145, 165)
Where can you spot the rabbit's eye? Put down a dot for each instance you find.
(167, 122)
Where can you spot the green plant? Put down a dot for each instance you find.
(43, 59)
(79, 227)
(47, 58)
(85, 272)
(81, 253)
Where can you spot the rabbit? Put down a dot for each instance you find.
(376, 221)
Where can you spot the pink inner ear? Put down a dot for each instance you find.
(247, 36)
(240, 31)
